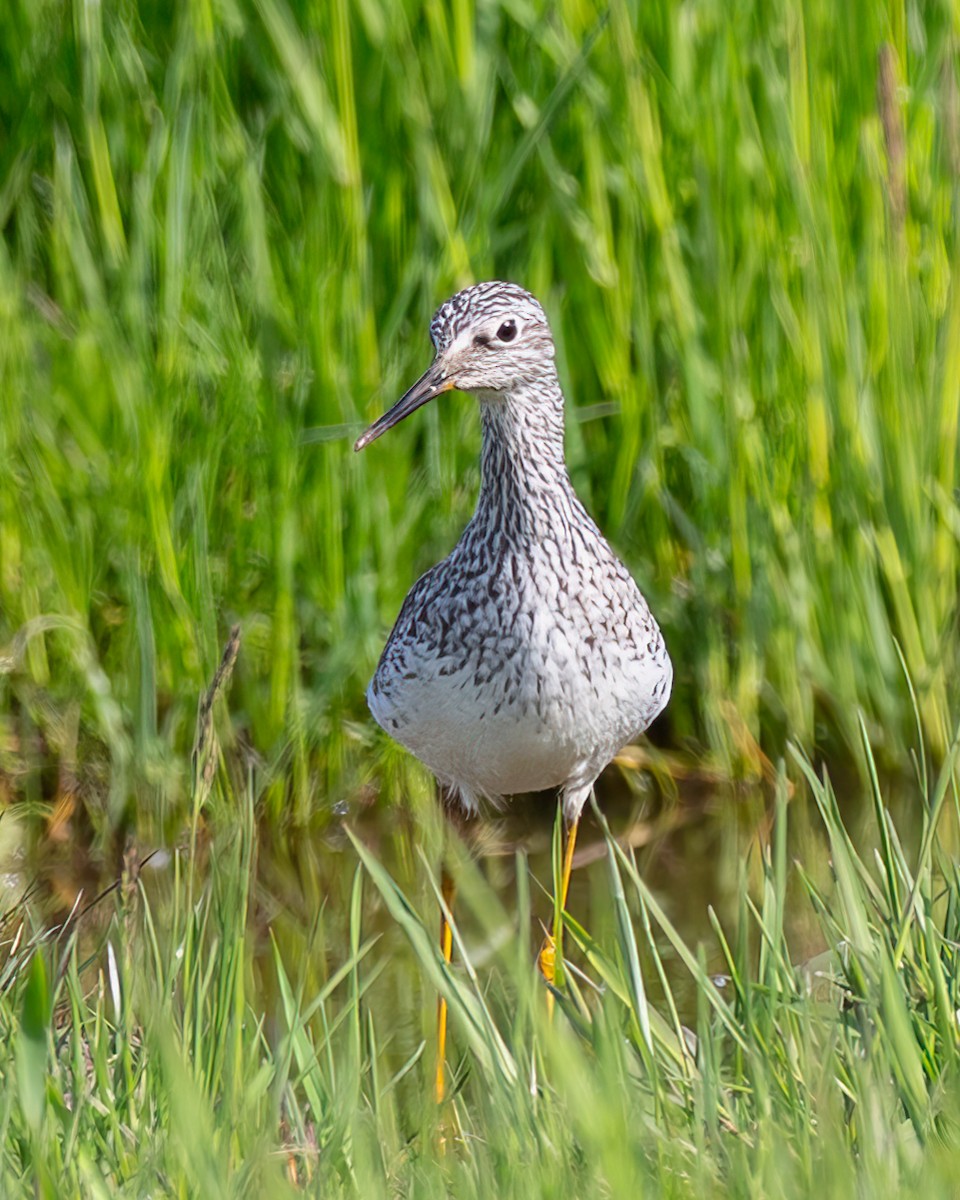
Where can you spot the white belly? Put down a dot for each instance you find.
(545, 726)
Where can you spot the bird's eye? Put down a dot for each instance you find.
(507, 331)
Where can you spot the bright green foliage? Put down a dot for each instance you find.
(224, 229)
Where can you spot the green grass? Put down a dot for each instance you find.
(224, 228)
(224, 232)
(149, 1064)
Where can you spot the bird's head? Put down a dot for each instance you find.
(491, 339)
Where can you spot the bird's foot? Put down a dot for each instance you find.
(547, 959)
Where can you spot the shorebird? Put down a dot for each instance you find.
(527, 658)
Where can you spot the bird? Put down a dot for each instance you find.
(528, 657)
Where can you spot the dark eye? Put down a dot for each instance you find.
(507, 331)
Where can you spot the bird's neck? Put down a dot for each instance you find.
(522, 457)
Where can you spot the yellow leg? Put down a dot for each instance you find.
(448, 891)
(554, 941)
(568, 865)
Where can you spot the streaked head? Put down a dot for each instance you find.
(490, 339)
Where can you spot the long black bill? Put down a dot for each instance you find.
(431, 383)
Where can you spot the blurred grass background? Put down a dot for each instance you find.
(225, 226)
